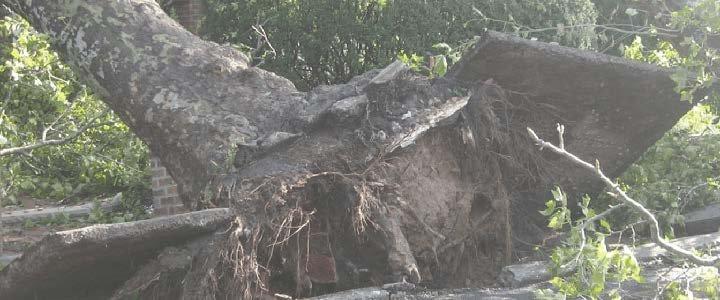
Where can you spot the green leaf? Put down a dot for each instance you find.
(605, 224)
(549, 208)
(442, 48)
(601, 250)
(27, 185)
(440, 67)
(557, 220)
(559, 196)
(680, 76)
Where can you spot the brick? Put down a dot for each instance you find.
(171, 201)
(158, 192)
(166, 181)
(155, 163)
(161, 211)
(158, 172)
(155, 183)
(171, 190)
(177, 209)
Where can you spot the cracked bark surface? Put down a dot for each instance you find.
(408, 176)
(88, 263)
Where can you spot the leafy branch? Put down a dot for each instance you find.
(620, 195)
(49, 142)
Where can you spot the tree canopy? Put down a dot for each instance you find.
(43, 100)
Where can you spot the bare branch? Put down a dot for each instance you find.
(45, 142)
(620, 28)
(624, 198)
(4, 11)
(561, 135)
(262, 41)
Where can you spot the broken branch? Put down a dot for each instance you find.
(623, 197)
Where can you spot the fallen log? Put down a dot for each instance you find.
(537, 271)
(446, 161)
(90, 262)
(37, 214)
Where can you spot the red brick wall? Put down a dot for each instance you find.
(166, 200)
(190, 13)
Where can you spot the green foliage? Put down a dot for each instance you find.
(696, 72)
(709, 283)
(39, 93)
(329, 41)
(585, 254)
(97, 215)
(29, 224)
(435, 65)
(556, 210)
(705, 283)
(663, 55)
(679, 172)
(696, 30)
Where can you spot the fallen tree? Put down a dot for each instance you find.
(392, 176)
(36, 214)
(75, 261)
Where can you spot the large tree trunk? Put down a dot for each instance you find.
(391, 176)
(191, 100)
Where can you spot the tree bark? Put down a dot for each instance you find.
(190, 100)
(88, 263)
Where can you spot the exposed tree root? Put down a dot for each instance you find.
(162, 277)
(428, 204)
(400, 259)
(390, 236)
(434, 213)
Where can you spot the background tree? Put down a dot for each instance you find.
(57, 139)
(313, 42)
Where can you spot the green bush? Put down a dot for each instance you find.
(330, 41)
(680, 172)
(37, 90)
